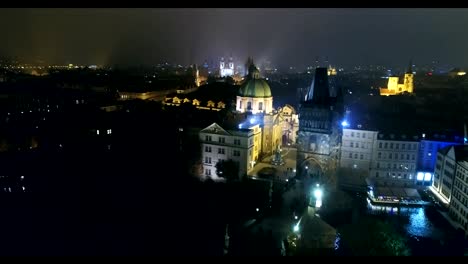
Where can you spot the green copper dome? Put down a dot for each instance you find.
(255, 88)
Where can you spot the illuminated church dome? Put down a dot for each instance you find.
(254, 86)
(254, 94)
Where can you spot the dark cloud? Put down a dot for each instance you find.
(285, 36)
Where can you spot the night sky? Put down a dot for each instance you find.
(284, 36)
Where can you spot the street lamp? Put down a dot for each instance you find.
(296, 228)
(318, 194)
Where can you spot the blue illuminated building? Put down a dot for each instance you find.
(427, 154)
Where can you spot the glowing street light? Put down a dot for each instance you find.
(296, 228)
(256, 209)
(306, 167)
(345, 123)
(318, 194)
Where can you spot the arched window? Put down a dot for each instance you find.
(260, 106)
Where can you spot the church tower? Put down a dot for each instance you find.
(221, 65)
(231, 64)
(319, 135)
(409, 78)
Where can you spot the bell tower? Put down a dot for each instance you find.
(409, 78)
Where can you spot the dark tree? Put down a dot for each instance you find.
(228, 169)
(373, 237)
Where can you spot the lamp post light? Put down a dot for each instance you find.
(317, 196)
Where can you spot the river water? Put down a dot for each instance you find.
(428, 232)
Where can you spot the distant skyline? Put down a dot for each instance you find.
(286, 37)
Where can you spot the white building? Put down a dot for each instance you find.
(458, 209)
(241, 145)
(290, 124)
(356, 149)
(394, 160)
(445, 169)
(226, 69)
(254, 94)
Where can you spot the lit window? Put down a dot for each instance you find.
(109, 131)
(97, 132)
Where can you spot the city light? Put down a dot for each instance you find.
(427, 176)
(296, 228)
(306, 167)
(420, 176)
(345, 123)
(256, 209)
(318, 194)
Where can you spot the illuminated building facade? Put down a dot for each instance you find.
(356, 149)
(241, 145)
(319, 135)
(254, 94)
(272, 132)
(427, 155)
(446, 168)
(394, 160)
(458, 208)
(290, 121)
(394, 87)
(226, 68)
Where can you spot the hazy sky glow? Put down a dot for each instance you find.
(285, 36)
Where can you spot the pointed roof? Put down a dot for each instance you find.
(319, 91)
(410, 67)
(215, 129)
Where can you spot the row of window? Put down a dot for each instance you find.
(461, 174)
(458, 218)
(450, 165)
(461, 200)
(448, 174)
(395, 156)
(249, 105)
(361, 156)
(397, 145)
(364, 145)
(109, 131)
(449, 186)
(222, 140)
(235, 153)
(403, 176)
(460, 186)
(396, 166)
(358, 134)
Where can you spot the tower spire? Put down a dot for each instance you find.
(410, 66)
